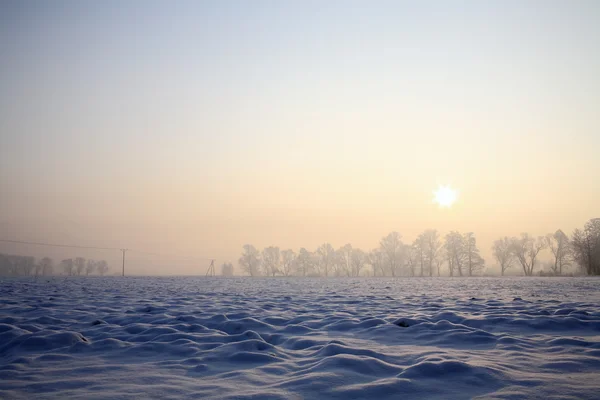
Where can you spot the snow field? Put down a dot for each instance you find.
(242, 338)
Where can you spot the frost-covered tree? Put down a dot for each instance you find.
(560, 246)
(271, 259)
(45, 266)
(67, 266)
(79, 265)
(227, 269)
(250, 260)
(37, 270)
(474, 261)
(326, 254)
(393, 249)
(411, 254)
(375, 258)
(358, 260)
(90, 266)
(526, 249)
(439, 260)
(25, 265)
(433, 246)
(288, 258)
(419, 249)
(102, 267)
(503, 253)
(455, 252)
(305, 262)
(343, 260)
(586, 247)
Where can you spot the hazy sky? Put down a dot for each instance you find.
(196, 127)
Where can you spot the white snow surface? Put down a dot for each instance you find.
(243, 338)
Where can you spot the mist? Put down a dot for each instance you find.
(194, 130)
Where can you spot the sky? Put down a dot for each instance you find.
(193, 128)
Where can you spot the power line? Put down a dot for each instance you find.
(123, 250)
(74, 246)
(187, 258)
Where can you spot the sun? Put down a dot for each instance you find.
(445, 196)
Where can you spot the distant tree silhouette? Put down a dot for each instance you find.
(412, 258)
(586, 247)
(419, 247)
(474, 261)
(343, 260)
(102, 267)
(375, 257)
(455, 252)
(288, 259)
(326, 256)
(90, 266)
(526, 249)
(79, 264)
(271, 259)
(68, 266)
(358, 260)
(560, 246)
(424, 256)
(47, 265)
(250, 260)
(25, 265)
(503, 253)
(305, 262)
(433, 246)
(227, 269)
(393, 249)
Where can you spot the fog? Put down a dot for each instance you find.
(190, 130)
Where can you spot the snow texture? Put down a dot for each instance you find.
(171, 338)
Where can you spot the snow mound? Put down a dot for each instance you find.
(171, 338)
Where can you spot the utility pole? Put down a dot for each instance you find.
(211, 269)
(123, 250)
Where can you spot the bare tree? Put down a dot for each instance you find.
(227, 269)
(102, 267)
(358, 261)
(326, 254)
(420, 250)
(46, 265)
(526, 250)
(343, 259)
(376, 261)
(503, 253)
(455, 252)
(560, 246)
(411, 255)
(439, 260)
(474, 260)
(586, 247)
(25, 265)
(79, 265)
(305, 262)
(250, 260)
(90, 266)
(433, 246)
(37, 270)
(67, 266)
(271, 257)
(393, 248)
(288, 258)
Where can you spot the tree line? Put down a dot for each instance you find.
(430, 254)
(13, 265)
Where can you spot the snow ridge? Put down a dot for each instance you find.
(101, 338)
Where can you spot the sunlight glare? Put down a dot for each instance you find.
(445, 196)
